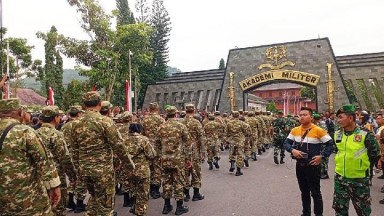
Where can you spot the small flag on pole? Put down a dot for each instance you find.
(127, 96)
(51, 97)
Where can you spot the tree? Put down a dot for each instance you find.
(222, 64)
(124, 15)
(271, 106)
(73, 93)
(161, 24)
(52, 74)
(308, 92)
(142, 9)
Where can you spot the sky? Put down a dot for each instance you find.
(203, 31)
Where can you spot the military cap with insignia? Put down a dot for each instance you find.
(9, 105)
(91, 96)
(49, 111)
(347, 109)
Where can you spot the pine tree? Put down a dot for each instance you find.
(142, 10)
(161, 24)
(222, 64)
(125, 15)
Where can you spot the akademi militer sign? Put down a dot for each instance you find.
(290, 75)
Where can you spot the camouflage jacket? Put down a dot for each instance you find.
(95, 140)
(196, 133)
(151, 125)
(254, 124)
(142, 152)
(54, 141)
(68, 136)
(25, 167)
(280, 128)
(237, 131)
(213, 133)
(262, 125)
(175, 144)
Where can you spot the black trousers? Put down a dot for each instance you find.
(308, 178)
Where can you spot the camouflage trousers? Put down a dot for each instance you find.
(324, 165)
(278, 145)
(193, 175)
(102, 191)
(260, 142)
(140, 188)
(247, 147)
(355, 189)
(237, 155)
(173, 182)
(213, 151)
(156, 171)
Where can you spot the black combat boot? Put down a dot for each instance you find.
(187, 197)
(238, 172)
(197, 195)
(71, 202)
(232, 166)
(282, 160)
(156, 192)
(133, 200)
(114, 213)
(324, 175)
(210, 166)
(275, 159)
(127, 200)
(80, 207)
(246, 162)
(180, 209)
(222, 147)
(151, 189)
(254, 158)
(263, 148)
(167, 206)
(259, 152)
(216, 162)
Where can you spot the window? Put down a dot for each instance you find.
(293, 93)
(158, 97)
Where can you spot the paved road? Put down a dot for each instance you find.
(264, 189)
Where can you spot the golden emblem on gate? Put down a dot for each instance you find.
(277, 58)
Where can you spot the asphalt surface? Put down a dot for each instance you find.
(264, 189)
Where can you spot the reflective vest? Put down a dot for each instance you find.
(351, 160)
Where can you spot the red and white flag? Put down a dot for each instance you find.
(127, 96)
(51, 97)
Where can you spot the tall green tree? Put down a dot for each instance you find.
(124, 14)
(52, 74)
(222, 64)
(308, 92)
(73, 93)
(161, 24)
(142, 9)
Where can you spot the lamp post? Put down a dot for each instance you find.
(130, 81)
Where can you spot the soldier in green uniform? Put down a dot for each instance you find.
(54, 141)
(175, 157)
(248, 140)
(253, 123)
(96, 139)
(151, 124)
(193, 174)
(27, 171)
(357, 148)
(280, 132)
(213, 131)
(138, 179)
(237, 131)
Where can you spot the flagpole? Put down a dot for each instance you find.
(8, 89)
(130, 81)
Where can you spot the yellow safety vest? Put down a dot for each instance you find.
(351, 160)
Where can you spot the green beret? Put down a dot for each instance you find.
(279, 112)
(190, 107)
(316, 116)
(91, 96)
(235, 114)
(75, 109)
(9, 104)
(171, 110)
(106, 105)
(50, 111)
(153, 106)
(347, 108)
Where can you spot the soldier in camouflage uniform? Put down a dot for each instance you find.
(247, 143)
(261, 132)
(253, 123)
(79, 189)
(151, 124)
(237, 131)
(175, 157)
(196, 132)
(27, 171)
(95, 140)
(139, 179)
(213, 131)
(105, 109)
(280, 132)
(54, 141)
(357, 149)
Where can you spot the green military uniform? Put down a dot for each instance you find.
(356, 150)
(280, 132)
(54, 141)
(95, 140)
(213, 131)
(253, 123)
(248, 140)
(26, 170)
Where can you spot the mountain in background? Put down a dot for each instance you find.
(173, 70)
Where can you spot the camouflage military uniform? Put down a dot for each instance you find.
(213, 131)
(138, 179)
(253, 123)
(261, 132)
(54, 141)
(25, 168)
(237, 131)
(95, 140)
(247, 143)
(280, 132)
(151, 125)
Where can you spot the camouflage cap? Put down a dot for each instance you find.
(217, 113)
(347, 108)
(171, 110)
(211, 117)
(153, 106)
(9, 104)
(225, 114)
(49, 111)
(251, 113)
(106, 105)
(61, 112)
(190, 107)
(126, 116)
(235, 114)
(91, 96)
(75, 109)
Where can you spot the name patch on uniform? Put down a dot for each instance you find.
(357, 138)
